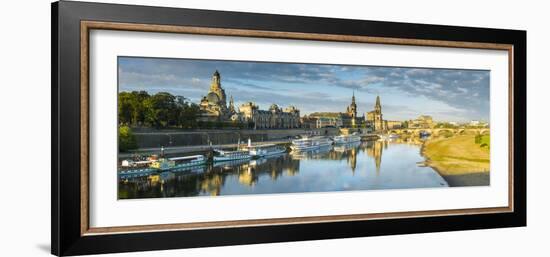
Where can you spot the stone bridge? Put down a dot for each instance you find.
(438, 131)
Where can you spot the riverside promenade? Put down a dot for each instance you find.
(175, 150)
(151, 138)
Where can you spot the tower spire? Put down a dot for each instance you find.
(378, 106)
(216, 83)
(352, 108)
(231, 106)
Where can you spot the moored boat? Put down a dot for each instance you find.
(346, 147)
(134, 173)
(424, 134)
(393, 136)
(134, 164)
(310, 143)
(221, 155)
(382, 137)
(312, 153)
(177, 162)
(346, 139)
(265, 150)
(231, 163)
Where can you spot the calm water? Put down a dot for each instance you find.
(361, 166)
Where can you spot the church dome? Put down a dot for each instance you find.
(212, 98)
(274, 107)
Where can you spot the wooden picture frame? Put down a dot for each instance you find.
(71, 25)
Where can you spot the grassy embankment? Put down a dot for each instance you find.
(461, 160)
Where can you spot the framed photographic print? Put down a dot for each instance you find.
(177, 128)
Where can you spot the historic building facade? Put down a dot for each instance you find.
(273, 118)
(423, 121)
(214, 107)
(350, 117)
(394, 124)
(325, 122)
(374, 119)
(347, 119)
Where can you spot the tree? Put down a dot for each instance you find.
(125, 108)
(187, 113)
(126, 139)
(161, 110)
(138, 107)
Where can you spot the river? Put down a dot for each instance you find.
(368, 165)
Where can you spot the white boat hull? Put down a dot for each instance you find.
(309, 148)
(263, 153)
(181, 166)
(347, 140)
(223, 158)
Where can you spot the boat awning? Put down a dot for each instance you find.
(262, 146)
(143, 162)
(185, 158)
(229, 152)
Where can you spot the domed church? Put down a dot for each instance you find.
(214, 106)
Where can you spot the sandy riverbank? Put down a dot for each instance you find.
(459, 160)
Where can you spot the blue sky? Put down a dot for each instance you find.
(445, 94)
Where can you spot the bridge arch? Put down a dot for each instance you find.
(484, 131)
(444, 131)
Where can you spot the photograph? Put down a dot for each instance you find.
(196, 127)
(178, 126)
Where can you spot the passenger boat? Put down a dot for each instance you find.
(231, 164)
(317, 153)
(310, 143)
(265, 150)
(164, 164)
(133, 164)
(346, 147)
(346, 139)
(383, 137)
(135, 173)
(424, 134)
(393, 136)
(221, 155)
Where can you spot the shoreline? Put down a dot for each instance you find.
(459, 161)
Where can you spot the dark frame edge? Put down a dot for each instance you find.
(54, 246)
(520, 131)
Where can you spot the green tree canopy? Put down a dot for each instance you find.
(126, 139)
(161, 110)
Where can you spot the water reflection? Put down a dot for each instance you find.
(359, 166)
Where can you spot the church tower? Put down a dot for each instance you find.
(231, 106)
(213, 106)
(377, 106)
(352, 111)
(216, 81)
(378, 120)
(216, 87)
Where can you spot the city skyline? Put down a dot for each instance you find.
(406, 93)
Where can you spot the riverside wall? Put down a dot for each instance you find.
(150, 138)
